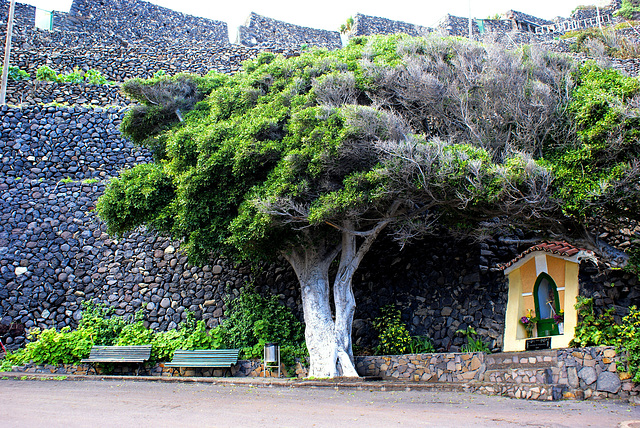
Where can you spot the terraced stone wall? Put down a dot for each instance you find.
(262, 31)
(135, 19)
(23, 16)
(33, 92)
(366, 25)
(121, 63)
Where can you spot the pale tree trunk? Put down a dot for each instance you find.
(311, 265)
(328, 339)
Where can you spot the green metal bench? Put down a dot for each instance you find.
(213, 358)
(118, 354)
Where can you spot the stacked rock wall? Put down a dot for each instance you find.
(135, 19)
(121, 63)
(32, 92)
(365, 25)
(23, 16)
(262, 31)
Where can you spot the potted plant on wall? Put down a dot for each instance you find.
(559, 319)
(529, 321)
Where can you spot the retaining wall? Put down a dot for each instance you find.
(134, 19)
(120, 63)
(24, 14)
(33, 92)
(366, 25)
(260, 30)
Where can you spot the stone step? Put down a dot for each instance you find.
(532, 375)
(525, 360)
(530, 391)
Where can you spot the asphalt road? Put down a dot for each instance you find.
(60, 403)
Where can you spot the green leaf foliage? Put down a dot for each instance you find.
(249, 160)
(393, 336)
(15, 73)
(597, 172)
(254, 321)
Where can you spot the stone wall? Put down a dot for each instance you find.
(121, 63)
(260, 30)
(366, 25)
(581, 373)
(446, 367)
(23, 16)
(135, 19)
(31, 92)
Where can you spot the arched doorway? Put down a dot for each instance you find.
(547, 304)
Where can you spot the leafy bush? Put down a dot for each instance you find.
(254, 321)
(474, 343)
(592, 329)
(393, 336)
(628, 9)
(15, 73)
(421, 345)
(46, 73)
(74, 76)
(602, 330)
(94, 77)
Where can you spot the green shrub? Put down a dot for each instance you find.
(421, 345)
(393, 336)
(254, 321)
(94, 77)
(627, 9)
(46, 73)
(474, 343)
(74, 76)
(592, 329)
(15, 73)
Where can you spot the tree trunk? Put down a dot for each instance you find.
(311, 264)
(329, 339)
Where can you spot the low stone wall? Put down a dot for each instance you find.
(581, 373)
(30, 92)
(244, 368)
(260, 30)
(449, 367)
(366, 25)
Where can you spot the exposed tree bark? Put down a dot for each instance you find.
(328, 336)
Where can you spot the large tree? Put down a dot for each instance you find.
(312, 157)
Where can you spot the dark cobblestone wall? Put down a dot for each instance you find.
(23, 16)
(135, 19)
(120, 63)
(31, 92)
(260, 30)
(365, 25)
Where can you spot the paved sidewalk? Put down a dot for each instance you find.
(49, 401)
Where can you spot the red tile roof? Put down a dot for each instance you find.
(560, 248)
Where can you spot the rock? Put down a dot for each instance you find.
(217, 269)
(608, 382)
(588, 375)
(165, 303)
(572, 377)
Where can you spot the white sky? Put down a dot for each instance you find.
(330, 14)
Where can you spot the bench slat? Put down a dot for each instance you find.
(116, 354)
(204, 358)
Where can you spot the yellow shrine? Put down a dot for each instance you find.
(543, 288)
